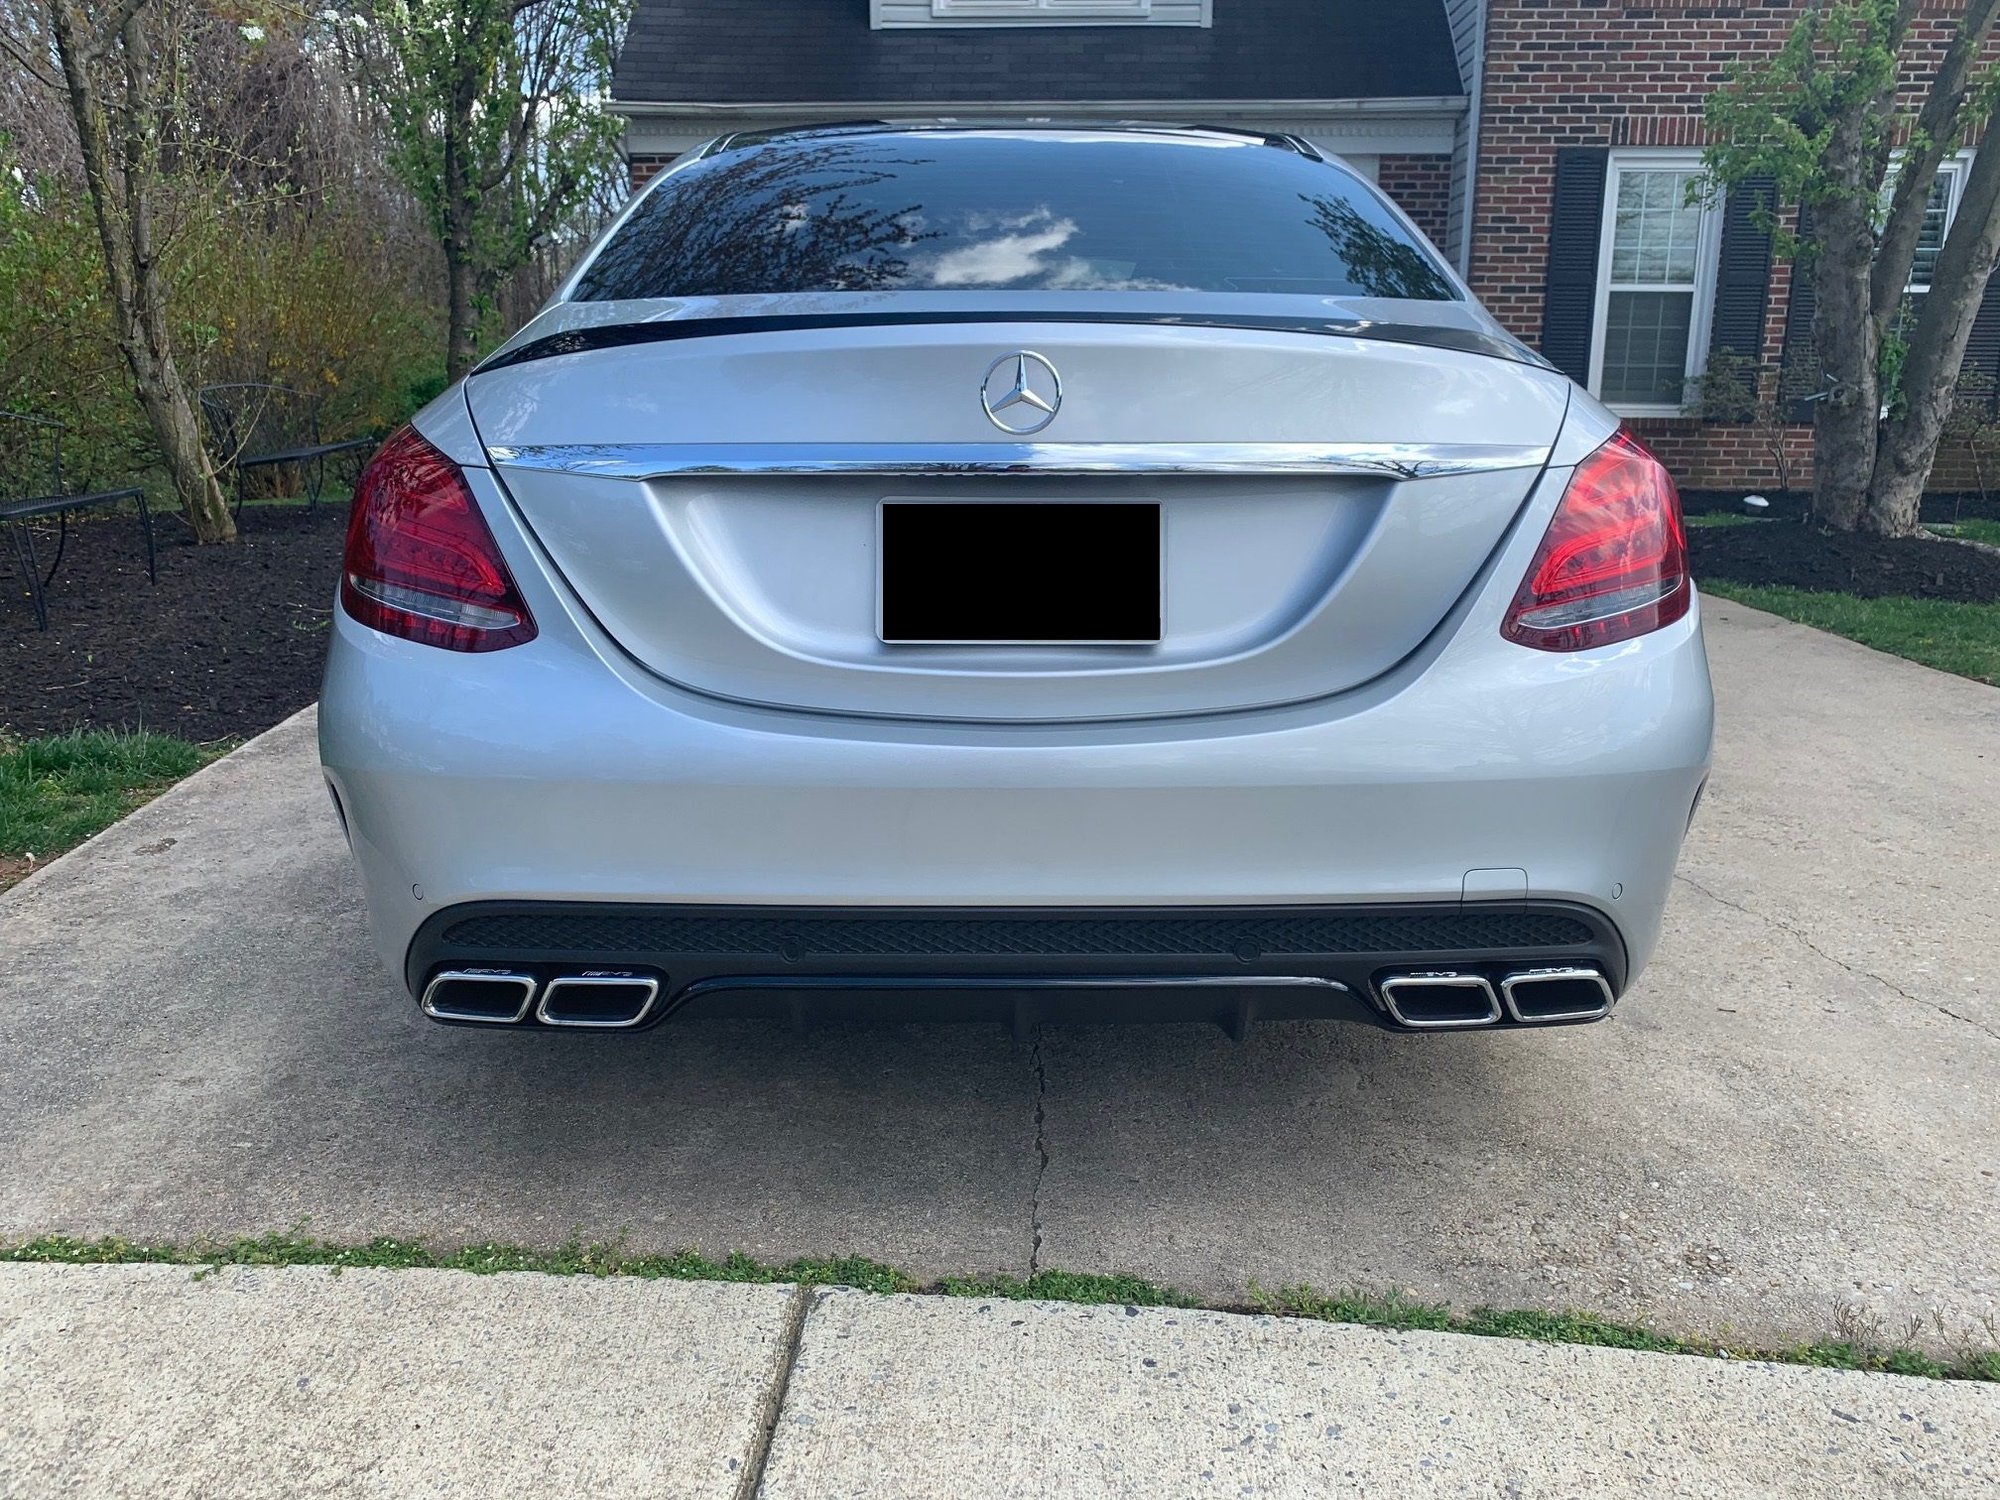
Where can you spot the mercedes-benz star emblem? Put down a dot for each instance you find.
(1021, 392)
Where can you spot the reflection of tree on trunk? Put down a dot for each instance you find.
(803, 230)
(1380, 264)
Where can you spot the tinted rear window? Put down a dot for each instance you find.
(1027, 211)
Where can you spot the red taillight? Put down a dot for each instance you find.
(421, 562)
(1613, 563)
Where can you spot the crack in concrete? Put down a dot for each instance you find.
(752, 1478)
(1839, 963)
(1040, 1070)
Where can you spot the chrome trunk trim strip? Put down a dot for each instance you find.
(947, 460)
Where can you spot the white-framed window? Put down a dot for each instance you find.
(946, 9)
(1946, 190)
(1655, 282)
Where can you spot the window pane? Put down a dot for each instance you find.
(1656, 238)
(1646, 348)
(1930, 239)
(1020, 210)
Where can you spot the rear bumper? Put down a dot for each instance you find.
(1485, 777)
(1230, 965)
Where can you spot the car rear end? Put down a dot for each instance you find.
(950, 571)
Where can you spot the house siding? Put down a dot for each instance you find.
(1595, 73)
(1467, 20)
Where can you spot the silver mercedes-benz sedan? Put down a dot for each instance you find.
(1015, 571)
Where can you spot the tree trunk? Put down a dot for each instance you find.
(461, 207)
(1937, 350)
(1929, 140)
(1845, 419)
(164, 395)
(121, 171)
(461, 316)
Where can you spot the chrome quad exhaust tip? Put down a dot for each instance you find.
(603, 1000)
(1443, 1000)
(1539, 996)
(495, 997)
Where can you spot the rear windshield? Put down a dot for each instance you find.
(1021, 211)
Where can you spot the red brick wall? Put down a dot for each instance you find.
(644, 168)
(1421, 186)
(1610, 73)
(1713, 456)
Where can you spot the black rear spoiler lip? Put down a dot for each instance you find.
(667, 330)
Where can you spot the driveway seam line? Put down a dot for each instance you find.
(1039, 1068)
(1856, 971)
(794, 1334)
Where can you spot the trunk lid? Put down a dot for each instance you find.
(713, 500)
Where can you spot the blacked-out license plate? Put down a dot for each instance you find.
(1019, 574)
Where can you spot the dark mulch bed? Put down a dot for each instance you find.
(1786, 554)
(230, 642)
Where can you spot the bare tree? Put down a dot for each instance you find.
(117, 65)
(497, 125)
(1827, 119)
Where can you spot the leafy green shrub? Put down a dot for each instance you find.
(332, 295)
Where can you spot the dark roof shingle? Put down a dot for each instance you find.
(814, 51)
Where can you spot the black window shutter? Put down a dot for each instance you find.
(1576, 227)
(1800, 359)
(1982, 349)
(1743, 272)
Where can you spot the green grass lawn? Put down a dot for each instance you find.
(57, 791)
(1961, 638)
(1976, 529)
(333, 497)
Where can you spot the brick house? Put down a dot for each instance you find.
(1544, 146)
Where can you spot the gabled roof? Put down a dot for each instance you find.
(824, 51)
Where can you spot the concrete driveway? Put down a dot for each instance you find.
(1793, 1114)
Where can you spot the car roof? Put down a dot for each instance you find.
(1012, 126)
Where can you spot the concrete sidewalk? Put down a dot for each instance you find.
(159, 1382)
